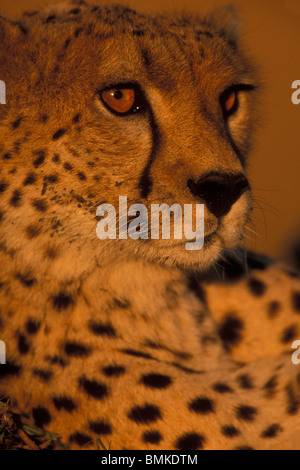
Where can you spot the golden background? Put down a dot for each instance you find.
(271, 32)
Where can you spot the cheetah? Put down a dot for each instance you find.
(140, 343)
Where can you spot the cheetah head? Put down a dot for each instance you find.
(103, 102)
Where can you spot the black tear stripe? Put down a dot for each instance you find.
(145, 183)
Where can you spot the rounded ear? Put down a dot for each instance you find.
(226, 20)
(9, 31)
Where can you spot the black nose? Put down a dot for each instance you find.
(219, 191)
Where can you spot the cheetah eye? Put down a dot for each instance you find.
(123, 99)
(229, 102)
(230, 99)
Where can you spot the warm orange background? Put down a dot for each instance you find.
(271, 31)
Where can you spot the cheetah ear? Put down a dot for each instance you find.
(226, 20)
(10, 31)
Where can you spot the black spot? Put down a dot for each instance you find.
(68, 166)
(202, 405)
(67, 43)
(64, 403)
(76, 349)
(245, 381)
(40, 205)
(245, 412)
(41, 416)
(79, 198)
(51, 179)
(9, 369)
(77, 32)
(44, 188)
(23, 345)
(16, 199)
(230, 330)
(230, 431)
(58, 134)
(3, 186)
(75, 11)
(205, 33)
(293, 403)
(80, 438)
(146, 57)
(289, 334)
(26, 279)
(44, 375)
(256, 287)
(76, 118)
(32, 231)
(296, 301)
(17, 145)
(56, 158)
(132, 352)
(44, 118)
(145, 414)
(6, 156)
(61, 301)
(55, 223)
(22, 28)
(81, 176)
(113, 371)
(156, 380)
(51, 252)
(50, 18)
(100, 427)
(270, 386)
(102, 329)
(55, 360)
(273, 308)
(40, 159)
(190, 441)
(138, 33)
(152, 437)
(93, 388)
(124, 303)
(16, 123)
(271, 431)
(30, 179)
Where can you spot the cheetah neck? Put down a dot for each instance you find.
(118, 292)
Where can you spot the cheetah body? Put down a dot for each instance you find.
(137, 342)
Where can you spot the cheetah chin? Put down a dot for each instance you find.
(137, 344)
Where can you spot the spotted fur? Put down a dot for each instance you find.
(140, 343)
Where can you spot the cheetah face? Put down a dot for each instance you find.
(113, 110)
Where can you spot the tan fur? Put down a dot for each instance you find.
(72, 305)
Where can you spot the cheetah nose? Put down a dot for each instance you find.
(219, 191)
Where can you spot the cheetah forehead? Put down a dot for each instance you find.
(80, 48)
(57, 26)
